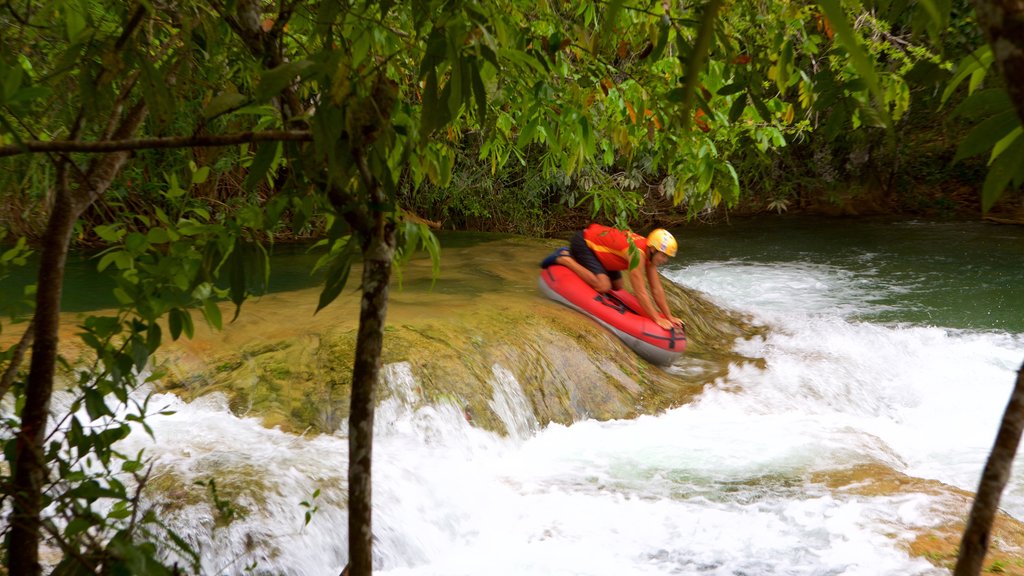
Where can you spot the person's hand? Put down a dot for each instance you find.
(664, 323)
(675, 321)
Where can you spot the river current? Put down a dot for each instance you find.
(891, 343)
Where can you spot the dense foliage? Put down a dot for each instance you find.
(184, 136)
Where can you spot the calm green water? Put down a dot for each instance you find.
(951, 274)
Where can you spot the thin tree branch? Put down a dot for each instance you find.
(106, 146)
(19, 355)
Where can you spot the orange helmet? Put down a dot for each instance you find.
(663, 241)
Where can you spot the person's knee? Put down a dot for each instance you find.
(604, 284)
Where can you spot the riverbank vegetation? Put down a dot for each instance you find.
(185, 137)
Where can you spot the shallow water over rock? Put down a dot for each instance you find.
(280, 362)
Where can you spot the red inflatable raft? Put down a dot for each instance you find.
(618, 311)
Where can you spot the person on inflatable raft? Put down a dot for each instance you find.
(599, 254)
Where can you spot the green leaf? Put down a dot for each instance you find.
(1001, 172)
(212, 313)
(664, 25)
(223, 102)
(180, 321)
(260, 166)
(435, 52)
(95, 406)
(156, 94)
(855, 85)
(611, 15)
(153, 336)
(12, 77)
(272, 82)
(200, 175)
(676, 95)
(337, 274)
(984, 103)
(730, 89)
(938, 13)
(1005, 143)
(157, 236)
(980, 59)
(433, 115)
(984, 136)
(136, 242)
(761, 108)
(479, 91)
(111, 233)
(841, 25)
(737, 108)
(140, 353)
(74, 20)
(119, 513)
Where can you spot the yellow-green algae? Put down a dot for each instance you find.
(940, 544)
(293, 369)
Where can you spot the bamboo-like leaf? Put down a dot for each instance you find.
(1002, 170)
(479, 91)
(260, 166)
(984, 103)
(985, 135)
(1005, 143)
(695, 62)
(834, 11)
(454, 89)
(980, 59)
(435, 52)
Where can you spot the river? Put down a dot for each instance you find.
(892, 343)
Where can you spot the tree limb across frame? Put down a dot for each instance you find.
(106, 146)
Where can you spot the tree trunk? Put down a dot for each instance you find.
(377, 254)
(997, 471)
(29, 467)
(1002, 21)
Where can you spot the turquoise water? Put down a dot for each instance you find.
(952, 274)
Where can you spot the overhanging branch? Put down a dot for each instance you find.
(105, 146)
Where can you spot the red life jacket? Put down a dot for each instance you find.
(611, 245)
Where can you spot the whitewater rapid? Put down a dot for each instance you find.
(720, 486)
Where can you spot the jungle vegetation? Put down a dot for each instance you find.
(183, 137)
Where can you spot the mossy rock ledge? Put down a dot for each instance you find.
(482, 318)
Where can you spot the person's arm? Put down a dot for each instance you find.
(636, 278)
(658, 292)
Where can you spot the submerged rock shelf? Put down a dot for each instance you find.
(281, 363)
